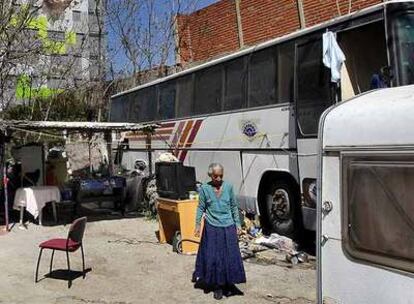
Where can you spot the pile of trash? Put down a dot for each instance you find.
(271, 249)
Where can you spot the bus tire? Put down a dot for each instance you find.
(282, 209)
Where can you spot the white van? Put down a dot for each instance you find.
(366, 199)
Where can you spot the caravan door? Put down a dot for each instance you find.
(366, 200)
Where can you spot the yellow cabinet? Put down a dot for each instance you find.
(179, 215)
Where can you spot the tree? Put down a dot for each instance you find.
(39, 66)
(143, 35)
(17, 46)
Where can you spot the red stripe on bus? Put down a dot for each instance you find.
(177, 135)
(164, 131)
(184, 136)
(178, 132)
(167, 125)
(154, 138)
(190, 141)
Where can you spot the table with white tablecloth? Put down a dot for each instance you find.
(34, 199)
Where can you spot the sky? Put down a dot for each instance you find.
(116, 55)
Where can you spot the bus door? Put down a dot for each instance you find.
(313, 96)
(366, 66)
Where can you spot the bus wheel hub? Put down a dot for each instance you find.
(281, 204)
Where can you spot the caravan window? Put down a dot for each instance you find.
(378, 222)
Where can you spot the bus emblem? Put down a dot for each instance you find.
(249, 129)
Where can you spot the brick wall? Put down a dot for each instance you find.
(213, 31)
(208, 32)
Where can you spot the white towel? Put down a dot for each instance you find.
(332, 55)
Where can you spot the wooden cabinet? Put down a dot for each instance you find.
(179, 215)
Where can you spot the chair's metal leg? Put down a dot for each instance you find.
(51, 261)
(54, 212)
(21, 215)
(37, 266)
(40, 218)
(69, 274)
(83, 262)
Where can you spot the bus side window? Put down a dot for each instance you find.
(119, 109)
(184, 96)
(144, 105)
(166, 106)
(285, 72)
(366, 53)
(208, 90)
(313, 86)
(133, 106)
(235, 84)
(262, 78)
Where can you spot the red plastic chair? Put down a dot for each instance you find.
(72, 243)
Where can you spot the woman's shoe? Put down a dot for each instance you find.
(218, 294)
(232, 290)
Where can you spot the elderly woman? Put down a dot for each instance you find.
(219, 264)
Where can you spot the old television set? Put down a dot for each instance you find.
(174, 180)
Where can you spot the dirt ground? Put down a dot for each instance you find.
(129, 266)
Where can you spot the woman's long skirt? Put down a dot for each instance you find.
(218, 259)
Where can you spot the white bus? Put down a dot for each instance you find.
(366, 232)
(257, 111)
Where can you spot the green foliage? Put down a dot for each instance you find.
(25, 19)
(24, 89)
(67, 106)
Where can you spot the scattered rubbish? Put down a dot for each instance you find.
(297, 257)
(252, 227)
(248, 248)
(291, 258)
(303, 257)
(254, 231)
(274, 249)
(166, 157)
(246, 253)
(130, 241)
(276, 241)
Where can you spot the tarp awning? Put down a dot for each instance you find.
(75, 126)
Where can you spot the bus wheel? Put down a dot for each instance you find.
(280, 203)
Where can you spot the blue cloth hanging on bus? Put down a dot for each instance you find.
(332, 55)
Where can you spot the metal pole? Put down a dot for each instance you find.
(108, 139)
(4, 171)
(89, 150)
(6, 197)
(149, 149)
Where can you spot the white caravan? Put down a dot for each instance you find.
(366, 199)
